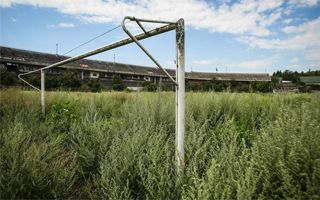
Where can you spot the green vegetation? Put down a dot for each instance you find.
(117, 84)
(294, 76)
(69, 79)
(230, 86)
(300, 79)
(149, 86)
(7, 77)
(121, 146)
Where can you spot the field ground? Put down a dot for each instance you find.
(121, 146)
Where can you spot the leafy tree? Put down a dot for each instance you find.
(244, 87)
(7, 77)
(207, 86)
(302, 87)
(69, 79)
(294, 76)
(94, 85)
(117, 83)
(148, 86)
(219, 86)
(52, 82)
(261, 86)
(190, 86)
(234, 83)
(33, 79)
(275, 81)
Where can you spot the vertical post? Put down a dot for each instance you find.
(43, 92)
(180, 95)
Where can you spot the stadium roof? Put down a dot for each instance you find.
(43, 59)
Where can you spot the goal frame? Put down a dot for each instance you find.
(179, 80)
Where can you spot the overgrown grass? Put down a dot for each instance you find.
(121, 146)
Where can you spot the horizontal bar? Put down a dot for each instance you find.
(120, 43)
(150, 20)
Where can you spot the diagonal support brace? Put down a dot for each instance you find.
(139, 44)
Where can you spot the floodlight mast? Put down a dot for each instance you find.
(180, 71)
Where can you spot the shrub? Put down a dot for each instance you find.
(149, 86)
(94, 85)
(7, 77)
(69, 80)
(62, 115)
(33, 79)
(117, 83)
(85, 87)
(262, 86)
(52, 82)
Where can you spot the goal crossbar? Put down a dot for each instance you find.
(104, 48)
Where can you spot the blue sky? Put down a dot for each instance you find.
(234, 36)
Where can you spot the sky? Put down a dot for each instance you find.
(246, 36)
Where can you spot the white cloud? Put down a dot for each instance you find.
(5, 3)
(295, 60)
(310, 26)
(313, 56)
(61, 25)
(304, 3)
(305, 36)
(246, 17)
(288, 21)
(65, 25)
(207, 62)
(254, 65)
(258, 63)
(251, 17)
(250, 20)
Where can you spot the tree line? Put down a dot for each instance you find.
(69, 80)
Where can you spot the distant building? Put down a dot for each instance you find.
(287, 86)
(312, 82)
(133, 76)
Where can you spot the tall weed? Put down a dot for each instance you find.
(122, 146)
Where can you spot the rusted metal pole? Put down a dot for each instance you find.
(180, 96)
(42, 93)
(143, 49)
(114, 45)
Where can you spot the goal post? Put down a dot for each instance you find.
(179, 81)
(42, 91)
(180, 94)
